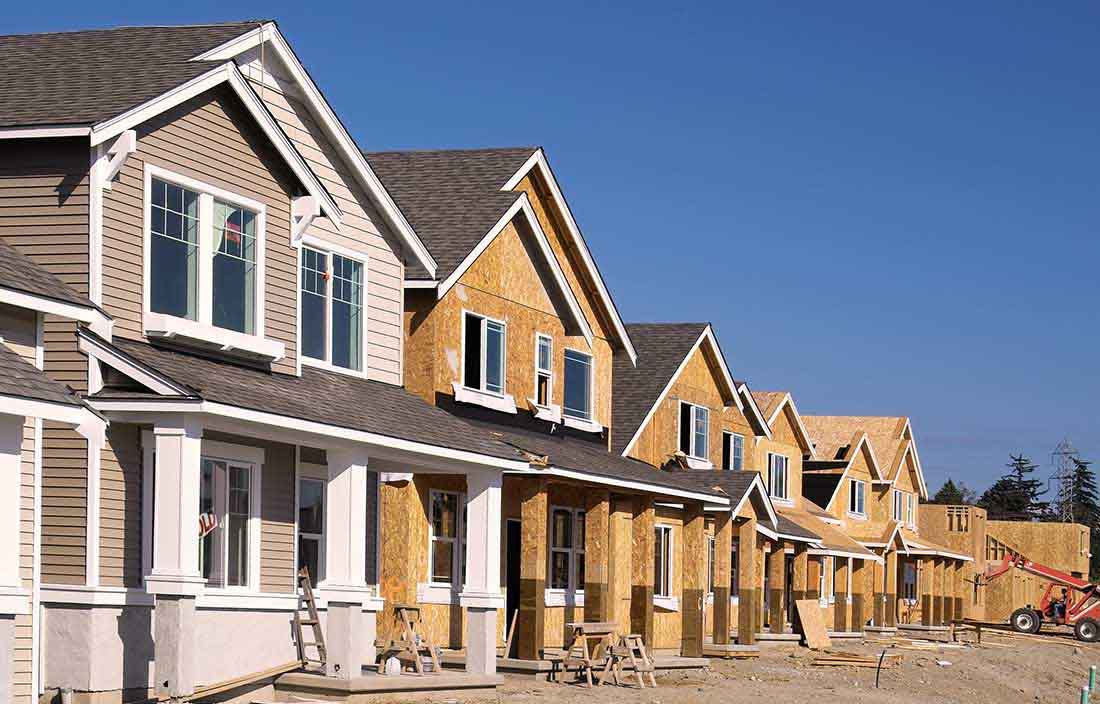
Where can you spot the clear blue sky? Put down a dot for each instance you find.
(886, 210)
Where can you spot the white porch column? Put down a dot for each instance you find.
(14, 599)
(175, 579)
(481, 595)
(349, 636)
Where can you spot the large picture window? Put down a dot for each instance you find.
(578, 385)
(483, 354)
(778, 476)
(567, 535)
(662, 578)
(694, 430)
(332, 321)
(226, 508)
(448, 538)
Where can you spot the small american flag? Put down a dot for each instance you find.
(207, 523)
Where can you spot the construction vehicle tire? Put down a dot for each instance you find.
(1025, 620)
(1087, 630)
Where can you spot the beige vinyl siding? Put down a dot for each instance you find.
(212, 139)
(120, 507)
(363, 230)
(44, 214)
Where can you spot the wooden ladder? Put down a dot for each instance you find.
(307, 603)
(413, 644)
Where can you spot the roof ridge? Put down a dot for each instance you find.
(457, 150)
(88, 30)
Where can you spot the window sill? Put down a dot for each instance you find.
(698, 462)
(563, 597)
(550, 414)
(778, 501)
(503, 402)
(328, 367)
(666, 603)
(857, 516)
(169, 326)
(588, 426)
(435, 593)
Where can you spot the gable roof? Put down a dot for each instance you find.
(459, 200)
(885, 436)
(772, 403)
(18, 272)
(20, 379)
(86, 77)
(820, 487)
(738, 486)
(663, 351)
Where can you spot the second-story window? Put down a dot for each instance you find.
(544, 365)
(733, 451)
(234, 268)
(332, 308)
(694, 430)
(578, 385)
(484, 354)
(778, 475)
(856, 497)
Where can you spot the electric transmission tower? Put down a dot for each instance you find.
(1061, 459)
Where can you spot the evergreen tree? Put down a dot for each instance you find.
(1016, 496)
(948, 494)
(1086, 508)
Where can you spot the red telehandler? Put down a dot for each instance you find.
(1080, 610)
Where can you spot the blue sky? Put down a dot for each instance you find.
(886, 210)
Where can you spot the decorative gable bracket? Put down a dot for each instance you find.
(303, 211)
(120, 150)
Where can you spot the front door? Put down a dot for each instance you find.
(513, 560)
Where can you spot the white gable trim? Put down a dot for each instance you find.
(911, 448)
(43, 132)
(708, 336)
(758, 486)
(224, 73)
(156, 382)
(97, 319)
(538, 159)
(746, 395)
(88, 424)
(523, 205)
(788, 400)
(328, 120)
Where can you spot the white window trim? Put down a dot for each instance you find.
(898, 507)
(571, 593)
(457, 548)
(539, 337)
(162, 325)
(253, 457)
(589, 424)
(731, 435)
(319, 245)
(502, 401)
(786, 478)
(852, 484)
(311, 472)
(703, 460)
(669, 570)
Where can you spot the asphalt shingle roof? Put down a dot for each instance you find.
(319, 396)
(661, 347)
(732, 484)
(85, 77)
(452, 197)
(22, 379)
(21, 273)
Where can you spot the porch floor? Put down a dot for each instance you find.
(661, 661)
(296, 686)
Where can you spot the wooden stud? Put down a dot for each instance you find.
(642, 569)
(777, 587)
(859, 590)
(747, 593)
(937, 590)
(924, 578)
(840, 591)
(890, 614)
(813, 578)
(694, 581)
(723, 548)
(534, 516)
(597, 519)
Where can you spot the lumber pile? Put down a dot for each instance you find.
(838, 658)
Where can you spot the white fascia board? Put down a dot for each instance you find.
(335, 129)
(43, 132)
(843, 553)
(87, 423)
(93, 317)
(538, 159)
(727, 378)
(140, 373)
(746, 395)
(789, 400)
(224, 73)
(707, 333)
(421, 283)
(635, 485)
(523, 205)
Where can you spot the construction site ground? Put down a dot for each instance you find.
(1004, 669)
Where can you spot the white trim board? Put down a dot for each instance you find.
(224, 73)
(99, 321)
(329, 122)
(44, 132)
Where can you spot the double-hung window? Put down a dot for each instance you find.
(710, 564)
(694, 430)
(544, 369)
(733, 451)
(567, 537)
(662, 578)
(332, 321)
(778, 474)
(856, 497)
(910, 511)
(578, 385)
(311, 527)
(204, 270)
(448, 538)
(227, 505)
(484, 354)
(899, 505)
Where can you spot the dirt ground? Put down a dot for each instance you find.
(1052, 670)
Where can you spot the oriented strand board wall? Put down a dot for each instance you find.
(668, 625)
(44, 200)
(1063, 546)
(699, 384)
(210, 138)
(363, 229)
(784, 441)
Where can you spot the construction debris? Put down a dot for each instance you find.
(837, 658)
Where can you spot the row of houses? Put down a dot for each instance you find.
(403, 371)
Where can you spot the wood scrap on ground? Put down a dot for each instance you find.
(813, 624)
(838, 658)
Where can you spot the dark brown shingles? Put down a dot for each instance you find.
(320, 396)
(452, 198)
(20, 273)
(85, 77)
(661, 348)
(19, 378)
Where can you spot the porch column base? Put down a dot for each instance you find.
(346, 640)
(481, 641)
(174, 646)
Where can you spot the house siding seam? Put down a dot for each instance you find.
(44, 193)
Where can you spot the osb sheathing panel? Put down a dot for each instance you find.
(667, 625)
(861, 470)
(503, 284)
(784, 441)
(1063, 546)
(907, 478)
(620, 536)
(698, 383)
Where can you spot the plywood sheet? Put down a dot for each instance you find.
(813, 625)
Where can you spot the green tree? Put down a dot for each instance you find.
(1016, 495)
(954, 494)
(1086, 508)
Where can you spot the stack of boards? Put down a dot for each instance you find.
(837, 658)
